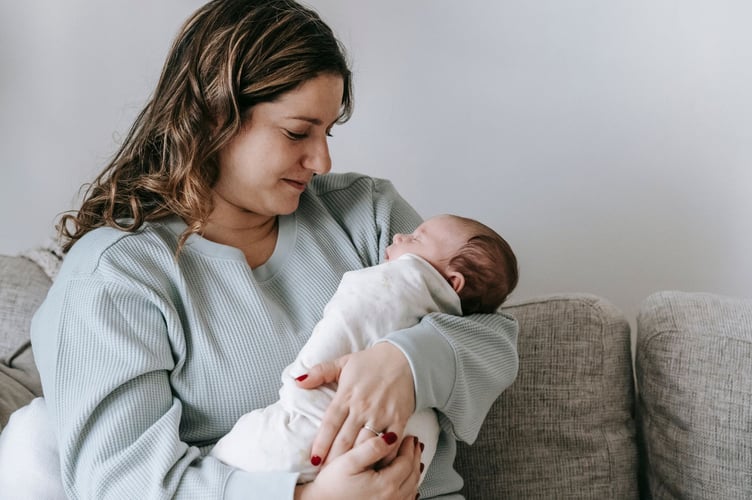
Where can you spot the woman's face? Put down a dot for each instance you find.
(265, 168)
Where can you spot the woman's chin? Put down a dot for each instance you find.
(288, 206)
(289, 209)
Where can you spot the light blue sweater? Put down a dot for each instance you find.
(147, 360)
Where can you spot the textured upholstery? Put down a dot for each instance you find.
(23, 285)
(565, 428)
(694, 375)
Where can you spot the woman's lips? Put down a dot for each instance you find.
(299, 185)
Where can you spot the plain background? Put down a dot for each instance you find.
(609, 142)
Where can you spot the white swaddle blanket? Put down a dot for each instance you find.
(368, 305)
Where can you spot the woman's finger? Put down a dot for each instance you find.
(364, 457)
(363, 396)
(405, 469)
(393, 454)
(411, 452)
(364, 435)
(323, 373)
(330, 427)
(346, 437)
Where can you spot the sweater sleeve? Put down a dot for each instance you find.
(106, 366)
(460, 365)
(370, 210)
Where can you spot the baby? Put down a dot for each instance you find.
(450, 264)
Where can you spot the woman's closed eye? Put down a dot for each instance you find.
(295, 136)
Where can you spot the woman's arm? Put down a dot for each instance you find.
(456, 365)
(460, 365)
(128, 371)
(105, 359)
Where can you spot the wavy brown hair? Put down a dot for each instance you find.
(489, 266)
(229, 56)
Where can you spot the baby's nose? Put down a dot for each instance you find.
(398, 237)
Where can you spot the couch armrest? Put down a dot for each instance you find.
(565, 428)
(23, 286)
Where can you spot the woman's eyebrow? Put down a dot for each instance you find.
(314, 121)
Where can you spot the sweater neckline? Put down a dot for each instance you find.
(286, 236)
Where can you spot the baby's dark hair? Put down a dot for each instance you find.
(489, 266)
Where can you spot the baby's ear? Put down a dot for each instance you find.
(457, 280)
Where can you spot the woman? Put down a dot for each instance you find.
(201, 259)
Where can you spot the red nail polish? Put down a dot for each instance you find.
(315, 460)
(389, 437)
(302, 377)
(422, 446)
(422, 466)
(415, 439)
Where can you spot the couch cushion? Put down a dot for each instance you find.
(23, 286)
(13, 393)
(694, 375)
(565, 428)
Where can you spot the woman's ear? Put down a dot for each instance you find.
(457, 280)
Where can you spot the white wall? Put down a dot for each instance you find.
(73, 75)
(610, 142)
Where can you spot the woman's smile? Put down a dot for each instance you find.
(299, 185)
(265, 168)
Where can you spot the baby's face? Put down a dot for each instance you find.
(436, 240)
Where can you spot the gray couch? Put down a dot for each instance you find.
(576, 423)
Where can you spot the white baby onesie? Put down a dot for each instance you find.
(369, 304)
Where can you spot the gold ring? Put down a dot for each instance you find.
(369, 428)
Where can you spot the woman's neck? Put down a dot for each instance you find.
(255, 235)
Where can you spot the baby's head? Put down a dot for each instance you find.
(475, 260)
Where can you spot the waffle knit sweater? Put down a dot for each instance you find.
(369, 303)
(147, 360)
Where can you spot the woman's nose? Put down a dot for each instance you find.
(318, 158)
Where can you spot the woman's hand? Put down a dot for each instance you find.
(352, 476)
(375, 388)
